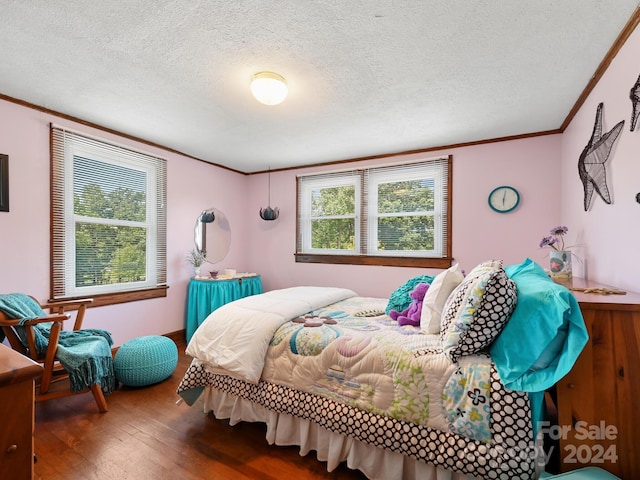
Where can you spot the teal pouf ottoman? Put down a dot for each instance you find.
(146, 360)
(586, 473)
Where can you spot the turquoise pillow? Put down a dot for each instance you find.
(544, 335)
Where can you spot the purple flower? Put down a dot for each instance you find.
(559, 231)
(555, 240)
(547, 242)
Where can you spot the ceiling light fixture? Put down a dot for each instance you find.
(269, 88)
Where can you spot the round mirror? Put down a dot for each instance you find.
(212, 235)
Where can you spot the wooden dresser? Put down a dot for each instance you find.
(596, 399)
(17, 374)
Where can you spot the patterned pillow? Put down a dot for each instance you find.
(477, 310)
(452, 304)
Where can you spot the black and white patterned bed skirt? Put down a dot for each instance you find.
(510, 455)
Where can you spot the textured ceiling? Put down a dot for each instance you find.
(365, 77)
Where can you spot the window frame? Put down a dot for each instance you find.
(306, 222)
(367, 221)
(65, 146)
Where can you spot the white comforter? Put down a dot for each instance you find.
(235, 337)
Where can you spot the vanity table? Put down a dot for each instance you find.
(205, 295)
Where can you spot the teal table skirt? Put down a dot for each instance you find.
(204, 296)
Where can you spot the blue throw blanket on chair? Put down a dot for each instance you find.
(84, 354)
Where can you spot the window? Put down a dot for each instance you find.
(387, 215)
(108, 220)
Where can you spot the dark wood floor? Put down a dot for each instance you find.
(145, 435)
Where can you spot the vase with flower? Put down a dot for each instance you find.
(560, 255)
(196, 258)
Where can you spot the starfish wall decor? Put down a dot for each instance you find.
(634, 95)
(592, 159)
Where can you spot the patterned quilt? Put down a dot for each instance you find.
(348, 361)
(353, 353)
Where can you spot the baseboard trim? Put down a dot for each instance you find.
(179, 336)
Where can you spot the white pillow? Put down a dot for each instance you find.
(443, 284)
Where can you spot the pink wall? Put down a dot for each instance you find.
(24, 231)
(478, 232)
(543, 169)
(610, 233)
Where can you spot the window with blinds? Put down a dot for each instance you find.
(108, 218)
(392, 212)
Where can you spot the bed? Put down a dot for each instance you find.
(330, 371)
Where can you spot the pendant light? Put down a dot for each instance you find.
(269, 213)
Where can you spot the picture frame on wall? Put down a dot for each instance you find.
(4, 182)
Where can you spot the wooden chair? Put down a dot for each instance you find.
(51, 384)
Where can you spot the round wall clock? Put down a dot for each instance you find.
(504, 199)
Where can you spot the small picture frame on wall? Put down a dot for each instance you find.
(4, 182)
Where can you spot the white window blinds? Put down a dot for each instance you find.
(108, 217)
(393, 210)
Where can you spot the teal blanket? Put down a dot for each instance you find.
(543, 337)
(84, 354)
(399, 300)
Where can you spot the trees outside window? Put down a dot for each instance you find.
(389, 215)
(109, 220)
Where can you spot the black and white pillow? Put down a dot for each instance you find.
(477, 310)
